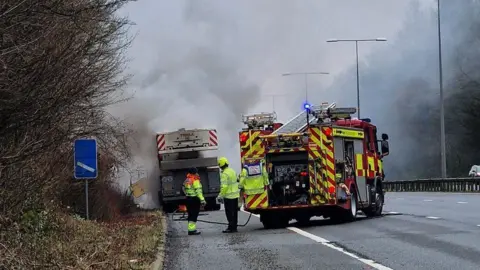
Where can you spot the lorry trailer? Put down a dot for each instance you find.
(183, 149)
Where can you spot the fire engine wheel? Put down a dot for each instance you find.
(270, 221)
(375, 210)
(351, 214)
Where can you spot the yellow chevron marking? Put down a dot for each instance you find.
(253, 204)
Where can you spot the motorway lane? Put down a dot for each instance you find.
(435, 231)
(252, 248)
(459, 207)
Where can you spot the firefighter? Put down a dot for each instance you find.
(254, 182)
(192, 187)
(229, 194)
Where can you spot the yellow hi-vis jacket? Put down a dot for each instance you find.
(255, 183)
(192, 187)
(228, 184)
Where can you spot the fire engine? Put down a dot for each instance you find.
(323, 162)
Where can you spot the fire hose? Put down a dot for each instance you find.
(183, 218)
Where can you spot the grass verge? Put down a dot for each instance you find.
(57, 241)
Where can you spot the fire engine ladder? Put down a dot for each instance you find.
(299, 122)
(316, 113)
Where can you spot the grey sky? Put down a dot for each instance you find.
(201, 64)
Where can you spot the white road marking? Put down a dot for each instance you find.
(433, 217)
(428, 200)
(462, 202)
(327, 243)
(84, 166)
(393, 213)
(478, 225)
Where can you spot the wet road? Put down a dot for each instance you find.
(420, 231)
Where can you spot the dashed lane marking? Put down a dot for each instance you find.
(428, 200)
(327, 243)
(462, 202)
(433, 217)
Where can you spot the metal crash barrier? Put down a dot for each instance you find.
(434, 185)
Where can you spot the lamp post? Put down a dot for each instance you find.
(306, 105)
(443, 147)
(356, 55)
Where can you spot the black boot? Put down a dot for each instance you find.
(194, 232)
(230, 231)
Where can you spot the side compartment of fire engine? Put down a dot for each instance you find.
(356, 189)
(321, 166)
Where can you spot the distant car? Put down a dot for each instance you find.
(474, 171)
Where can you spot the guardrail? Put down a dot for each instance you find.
(434, 185)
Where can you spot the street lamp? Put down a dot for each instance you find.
(443, 147)
(356, 54)
(307, 104)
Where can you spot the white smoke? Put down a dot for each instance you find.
(202, 64)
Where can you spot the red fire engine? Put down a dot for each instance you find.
(320, 163)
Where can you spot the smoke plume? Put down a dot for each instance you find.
(400, 90)
(202, 64)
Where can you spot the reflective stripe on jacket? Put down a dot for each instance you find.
(253, 184)
(228, 184)
(193, 187)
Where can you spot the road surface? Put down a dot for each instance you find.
(419, 231)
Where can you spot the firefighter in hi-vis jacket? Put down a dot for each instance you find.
(192, 187)
(254, 178)
(229, 194)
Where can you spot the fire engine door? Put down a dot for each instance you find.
(338, 146)
(361, 180)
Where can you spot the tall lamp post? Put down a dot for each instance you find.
(443, 148)
(306, 105)
(356, 54)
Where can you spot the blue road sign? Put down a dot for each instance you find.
(85, 159)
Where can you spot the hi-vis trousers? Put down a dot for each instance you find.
(193, 209)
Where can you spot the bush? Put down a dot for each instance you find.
(58, 72)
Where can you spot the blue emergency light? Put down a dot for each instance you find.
(306, 106)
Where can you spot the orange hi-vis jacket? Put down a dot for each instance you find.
(193, 187)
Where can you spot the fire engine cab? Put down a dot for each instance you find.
(322, 162)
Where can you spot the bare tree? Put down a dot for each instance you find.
(61, 64)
